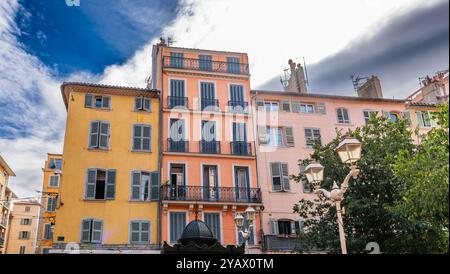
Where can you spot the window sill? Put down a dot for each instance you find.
(142, 111)
(344, 124)
(101, 109)
(140, 151)
(53, 187)
(281, 191)
(140, 201)
(99, 149)
(97, 200)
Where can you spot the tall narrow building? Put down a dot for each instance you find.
(109, 181)
(208, 165)
(5, 201)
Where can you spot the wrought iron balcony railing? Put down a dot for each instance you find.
(210, 194)
(209, 104)
(177, 146)
(210, 147)
(241, 148)
(237, 106)
(205, 65)
(177, 101)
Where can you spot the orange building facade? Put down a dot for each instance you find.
(208, 160)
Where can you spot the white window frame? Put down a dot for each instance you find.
(271, 105)
(143, 108)
(313, 138)
(342, 111)
(272, 134)
(50, 180)
(142, 138)
(100, 122)
(140, 232)
(141, 186)
(53, 204)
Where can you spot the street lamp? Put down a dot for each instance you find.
(349, 151)
(245, 232)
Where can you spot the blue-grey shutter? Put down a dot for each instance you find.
(97, 228)
(104, 135)
(90, 185)
(135, 231)
(111, 184)
(138, 103)
(276, 173)
(212, 220)
(145, 232)
(177, 224)
(93, 135)
(88, 100)
(106, 102)
(146, 104)
(146, 137)
(289, 134)
(86, 231)
(285, 177)
(237, 93)
(154, 185)
(137, 134)
(135, 185)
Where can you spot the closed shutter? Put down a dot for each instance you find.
(154, 186)
(262, 134)
(93, 135)
(273, 227)
(106, 102)
(285, 177)
(145, 232)
(104, 135)
(285, 106)
(276, 176)
(97, 227)
(86, 231)
(177, 88)
(177, 224)
(137, 137)
(111, 184)
(135, 228)
(237, 93)
(296, 106)
(135, 185)
(88, 98)
(212, 220)
(138, 103)
(289, 134)
(320, 108)
(90, 186)
(146, 137)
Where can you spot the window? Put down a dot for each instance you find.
(251, 240)
(48, 231)
(101, 184)
(97, 101)
(176, 59)
(27, 209)
(55, 163)
(25, 221)
(289, 136)
(205, 62)
(99, 135)
(237, 102)
(22, 249)
(177, 222)
(233, 65)
(142, 137)
(312, 136)
(424, 118)
(299, 226)
(212, 220)
(139, 232)
(369, 113)
(53, 181)
(342, 116)
(51, 204)
(271, 106)
(91, 231)
(24, 235)
(284, 227)
(302, 107)
(275, 135)
(142, 103)
(208, 96)
(285, 106)
(280, 177)
(46, 250)
(393, 117)
(140, 186)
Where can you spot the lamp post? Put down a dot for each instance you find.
(245, 231)
(349, 150)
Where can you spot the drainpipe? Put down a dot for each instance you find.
(160, 158)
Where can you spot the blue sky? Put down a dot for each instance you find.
(45, 42)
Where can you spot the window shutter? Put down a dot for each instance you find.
(320, 108)
(273, 227)
(275, 169)
(296, 107)
(420, 118)
(285, 177)
(147, 104)
(286, 106)
(145, 232)
(90, 186)
(104, 135)
(111, 184)
(262, 133)
(135, 185)
(86, 230)
(432, 121)
(93, 136)
(135, 231)
(138, 103)
(106, 102)
(407, 116)
(88, 100)
(289, 134)
(259, 104)
(154, 185)
(146, 137)
(97, 227)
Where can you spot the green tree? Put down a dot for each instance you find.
(370, 198)
(424, 173)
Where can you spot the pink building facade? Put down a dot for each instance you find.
(287, 123)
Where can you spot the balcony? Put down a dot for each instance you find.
(280, 243)
(210, 194)
(210, 147)
(177, 146)
(237, 106)
(205, 65)
(241, 148)
(209, 104)
(177, 102)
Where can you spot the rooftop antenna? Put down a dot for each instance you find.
(356, 81)
(148, 81)
(285, 79)
(170, 41)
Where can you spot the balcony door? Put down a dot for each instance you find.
(209, 144)
(177, 181)
(242, 184)
(208, 96)
(177, 136)
(210, 183)
(177, 94)
(239, 144)
(237, 102)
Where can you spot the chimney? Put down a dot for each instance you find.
(371, 88)
(297, 81)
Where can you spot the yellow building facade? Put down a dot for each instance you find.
(109, 182)
(5, 201)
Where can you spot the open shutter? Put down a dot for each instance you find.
(420, 118)
(88, 100)
(93, 135)
(273, 227)
(262, 134)
(289, 135)
(154, 185)
(106, 102)
(111, 184)
(276, 174)
(320, 108)
(90, 186)
(285, 106)
(146, 102)
(285, 177)
(259, 104)
(86, 230)
(135, 185)
(138, 103)
(104, 135)
(97, 227)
